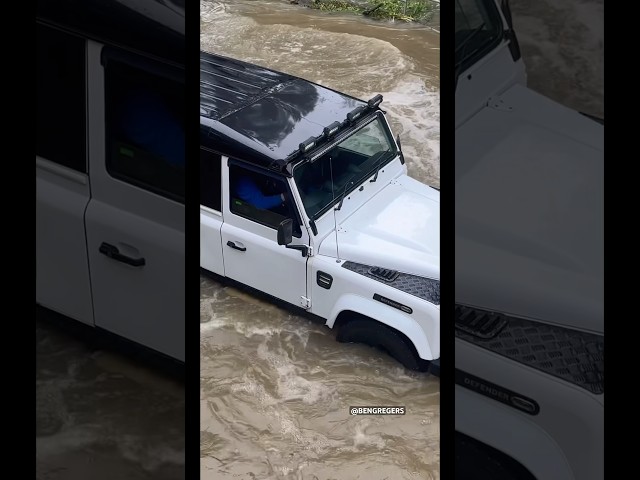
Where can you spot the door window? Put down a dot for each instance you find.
(261, 197)
(145, 126)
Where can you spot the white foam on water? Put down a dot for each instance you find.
(209, 11)
(414, 113)
(363, 439)
(563, 49)
(283, 417)
(254, 389)
(303, 439)
(150, 458)
(69, 439)
(213, 324)
(295, 387)
(378, 63)
(52, 415)
(291, 384)
(248, 330)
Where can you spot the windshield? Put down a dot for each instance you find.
(346, 164)
(478, 30)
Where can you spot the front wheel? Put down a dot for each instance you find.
(383, 338)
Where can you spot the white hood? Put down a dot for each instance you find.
(399, 229)
(530, 211)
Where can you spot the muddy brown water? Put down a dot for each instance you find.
(102, 416)
(275, 387)
(563, 49)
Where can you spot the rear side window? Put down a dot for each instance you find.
(210, 187)
(145, 125)
(60, 98)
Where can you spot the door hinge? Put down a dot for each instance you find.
(305, 302)
(499, 104)
(309, 251)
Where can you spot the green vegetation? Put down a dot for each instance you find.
(404, 10)
(337, 6)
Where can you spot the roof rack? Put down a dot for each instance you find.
(270, 118)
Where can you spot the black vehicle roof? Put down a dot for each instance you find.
(151, 27)
(260, 115)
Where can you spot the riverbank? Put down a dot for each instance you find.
(419, 11)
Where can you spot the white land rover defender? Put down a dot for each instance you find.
(305, 197)
(351, 237)
(529, 349)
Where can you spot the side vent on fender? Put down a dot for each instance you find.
(383, 274)
(324, 280)
(479, 323)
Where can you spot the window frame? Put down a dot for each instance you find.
(144, 66)
(293, 208)
(220, 189)
(341, 137)
(492, 9)
(81, 163)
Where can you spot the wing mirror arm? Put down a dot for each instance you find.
(285, 237)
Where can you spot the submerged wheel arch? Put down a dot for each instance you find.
(350, 306)
(364, 330)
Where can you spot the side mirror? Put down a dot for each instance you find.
(285, 232)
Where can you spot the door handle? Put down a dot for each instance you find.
(112, 252)
(237, 247)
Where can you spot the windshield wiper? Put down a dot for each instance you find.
(469, 37)
(344, 192)
(463, 47)
(378, 164)
(317, 215)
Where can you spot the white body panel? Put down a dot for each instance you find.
(144, 304)
(530, 210)
(62, 267)
(77, 212)
(564, 441)
(264, 265)
(210, 240)
(397, 228)
(529, 242)
(325, 239)
(352, 292)
(485, 79)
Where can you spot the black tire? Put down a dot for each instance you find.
(384, 338)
